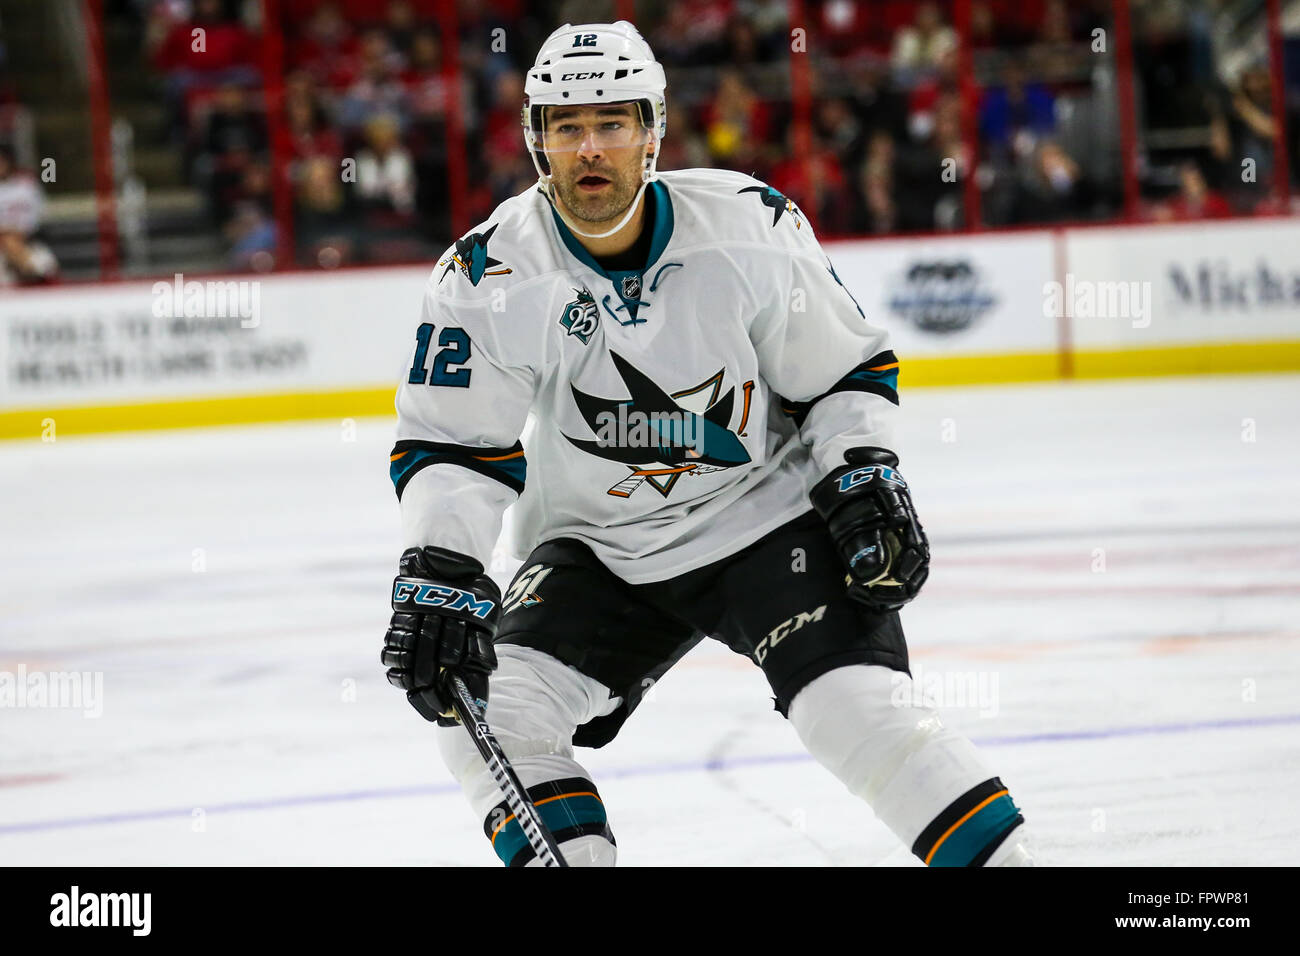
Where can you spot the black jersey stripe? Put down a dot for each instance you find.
(409, 457)
(877, 375)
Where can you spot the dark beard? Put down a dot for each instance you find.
(596, 209)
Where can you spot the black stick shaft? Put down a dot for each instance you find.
(471, 718)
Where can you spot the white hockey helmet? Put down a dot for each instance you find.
(594, 63)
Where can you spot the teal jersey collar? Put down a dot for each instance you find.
(662, 232)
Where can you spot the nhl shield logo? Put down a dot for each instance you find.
(580, 317)
(632, 287)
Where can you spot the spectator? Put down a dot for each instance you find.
(251, 229)
(322, 220)
(209, 46)
(310, 134)
(207, 51)
(875, 100)
(1251, 121)
(377, 89)
(508, 175)
(1057, 56)
(925, 96)
(400, 24)
(694, 34)
(877, 185)
(919, 47)
(23, 258)
(234, 124)
(928, 198)
(327, 47)
(983, 28)
(672, 41)
(742, 45)
(1053, 187)
(1221, 169)
(817, 185)
(482, 25)
(844, 28)
(1195, 200)
(1055, 28)
(707, 28)
(736, 123)
(501, 132)
(769, 20)
(426, 86)
(234, 136)
(919, 165)
(841, 130)
(1015, 115)
(684, 148)
(385, 174)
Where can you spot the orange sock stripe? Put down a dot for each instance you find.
(513, 454)
(501, 826)
(952, 829)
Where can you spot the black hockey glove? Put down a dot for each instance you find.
(445, 612)
(869, 512)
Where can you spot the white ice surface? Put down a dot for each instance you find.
(1120, 557)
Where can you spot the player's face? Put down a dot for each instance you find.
(596, 155)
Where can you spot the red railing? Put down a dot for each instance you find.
(277, 129)
(101, 139)
(1281, 160)
(1127, 109)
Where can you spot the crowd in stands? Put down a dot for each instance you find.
(366, 103)
(25, 259)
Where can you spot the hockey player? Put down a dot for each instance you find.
(710, 458)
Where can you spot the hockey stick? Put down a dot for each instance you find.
(471, 718)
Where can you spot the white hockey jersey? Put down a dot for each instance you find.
(680, 413)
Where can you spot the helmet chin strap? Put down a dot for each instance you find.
(648, 174)
(631, 210)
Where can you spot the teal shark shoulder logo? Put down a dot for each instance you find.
(580, 317)
(777, 201)
(660, 436)
(471, 256)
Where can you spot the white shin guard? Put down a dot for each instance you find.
(535, 703)
(928, 784)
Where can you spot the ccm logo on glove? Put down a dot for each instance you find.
(437, 595)
(863, 475)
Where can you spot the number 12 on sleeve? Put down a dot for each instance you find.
(455, 350)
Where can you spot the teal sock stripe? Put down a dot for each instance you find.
(558, 814)
(966, 842)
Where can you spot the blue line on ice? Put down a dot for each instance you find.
(692, 766)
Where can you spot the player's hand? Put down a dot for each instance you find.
(445, 612)
(867, 507)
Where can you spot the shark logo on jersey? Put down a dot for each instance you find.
(472, 257)
(580, 317)
(778, 202)
(659, 436)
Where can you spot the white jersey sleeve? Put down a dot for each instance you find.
(816, 348)
(458, 462)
